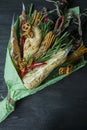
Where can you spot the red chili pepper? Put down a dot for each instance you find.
(35, 64)
(23, 72)
(22, 40)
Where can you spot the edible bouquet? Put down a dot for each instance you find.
(42, 51)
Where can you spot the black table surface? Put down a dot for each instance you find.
(58, 107)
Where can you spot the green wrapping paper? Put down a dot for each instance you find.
(16, 89)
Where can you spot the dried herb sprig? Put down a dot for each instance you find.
(59, 43)
(46, 26)
(30, 10)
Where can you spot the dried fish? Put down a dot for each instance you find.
(32, 44)
(15, 49)
(37, 75)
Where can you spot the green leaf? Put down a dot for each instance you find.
(30, 12)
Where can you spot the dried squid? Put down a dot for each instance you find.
(32, 42)
(15, 49)
(37, 75)
(33, 35)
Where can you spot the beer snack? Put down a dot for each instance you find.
(40, 46)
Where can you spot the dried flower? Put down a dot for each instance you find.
(46, 19)
(64, 1)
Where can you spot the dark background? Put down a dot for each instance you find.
(58, 107)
